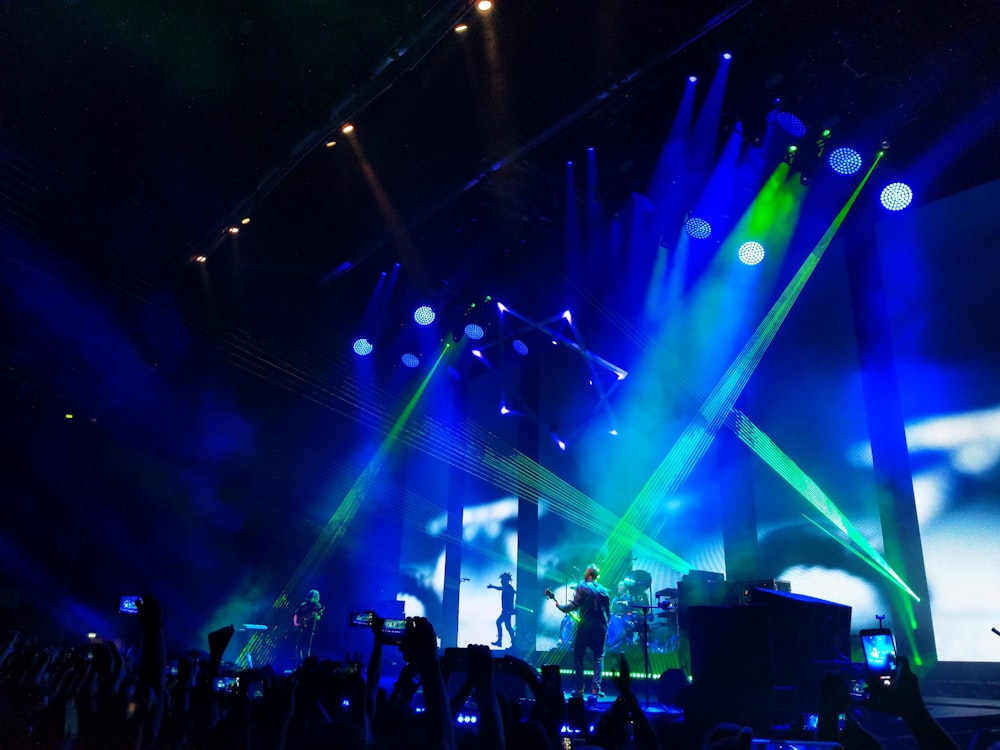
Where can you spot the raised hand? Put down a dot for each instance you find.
(419, 644)
(623, 678)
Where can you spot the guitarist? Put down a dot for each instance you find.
(593, 602)
(305, 618)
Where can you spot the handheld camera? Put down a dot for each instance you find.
(880, 653)
(392, 630)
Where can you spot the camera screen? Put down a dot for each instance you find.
(396, 627)
(128, 606)
(880, 651)
(361, 619)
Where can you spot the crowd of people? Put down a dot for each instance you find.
(99, 698)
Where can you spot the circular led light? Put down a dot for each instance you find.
(751, 253)
(845, 160)
(896, 196)
(424, 315)
(698, 228)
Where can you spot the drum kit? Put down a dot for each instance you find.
(633, 621)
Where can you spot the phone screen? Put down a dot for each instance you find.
(361, 619)
(880, 651)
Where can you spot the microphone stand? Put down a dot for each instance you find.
(645, 608)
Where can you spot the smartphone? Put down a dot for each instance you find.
(360, 619)
(880, 653)
(128, 605)
(393, 630)
(226, 684)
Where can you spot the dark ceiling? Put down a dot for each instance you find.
(134, 133)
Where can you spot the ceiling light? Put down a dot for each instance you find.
(896, 196)
(424, 315)
(697, 228)
(791, 124)
(751, 253)
(845, 160)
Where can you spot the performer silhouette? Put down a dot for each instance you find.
(507, 594)
(306, 616)
(593, 601)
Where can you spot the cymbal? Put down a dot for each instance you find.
(638, 579)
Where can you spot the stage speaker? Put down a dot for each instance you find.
(730, 647)
(782, 639)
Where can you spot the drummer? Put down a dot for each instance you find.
(622, 601)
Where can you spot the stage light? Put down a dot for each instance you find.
(331, 144)
(727, 56)
(477, 354)
(233, 230)
(692, 79)
(462, 28)
(568, 317)
(791, 124)
(423, 315)
(410, 360)
(347, 129)
(504, 410)
(363, 347)
(245, 220)
(896, 196)
(751, 253)
(484, 6)
(845, 160)
(520, 347)
(200, 259)
(474, 331)
(697, 228)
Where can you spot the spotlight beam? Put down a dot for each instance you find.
(693, 443)
(260, 644)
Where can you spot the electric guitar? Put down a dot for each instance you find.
(302, 620)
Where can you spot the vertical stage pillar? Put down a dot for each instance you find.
(891, 458)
